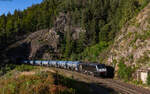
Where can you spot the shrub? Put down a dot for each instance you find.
(6, 68)
(144, 59)
(91, 53)
(25, 68)
(148, 80)
(43, 83)
(76, 87)
(136, 82)
(124, 72)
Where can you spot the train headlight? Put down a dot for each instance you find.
(104, 69)
(100, 70)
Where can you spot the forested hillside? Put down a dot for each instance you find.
(101, 19)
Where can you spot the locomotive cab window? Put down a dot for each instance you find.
(100, 66)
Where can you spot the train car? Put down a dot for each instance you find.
(45, 63)
(38, 62)
(72, 65)
(69, 65)
(62, 64)
(93, 69)
(25, 61)
(52, 63)
(58, 64)
(31, 62)
(75, 65)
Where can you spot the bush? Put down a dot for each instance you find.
(136, 82)
(6, 68)
(148, 80)
(25, 68)
(124, 72)
(43, 83)
(76, 87)
(91, 53)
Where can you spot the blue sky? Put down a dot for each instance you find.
(10, 5)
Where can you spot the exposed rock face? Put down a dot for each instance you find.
(42, 40)
(44, 44)
(132, 44)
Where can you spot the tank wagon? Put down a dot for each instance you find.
(86, 68)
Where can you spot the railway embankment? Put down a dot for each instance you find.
(28, 79)
(24, 76)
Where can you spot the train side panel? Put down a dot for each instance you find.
(31, 62)
(45, 63)
(38, 62)
(88, 68)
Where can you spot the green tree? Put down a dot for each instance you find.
(2, 30)
(69, 43)
(124, 72)
(81, 43)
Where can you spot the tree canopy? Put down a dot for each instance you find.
(102, 19)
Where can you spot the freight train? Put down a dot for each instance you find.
(86, 68)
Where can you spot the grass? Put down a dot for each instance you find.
(6, 68)
(33, 84)
(42, 83)
(137, 82)
(25, 68)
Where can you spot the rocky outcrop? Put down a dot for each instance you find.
(132, 44)
(41, 41)
(44, 44)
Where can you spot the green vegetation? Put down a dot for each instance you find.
(25, 67)
(144, 59)
(145, 35)
(6, 68)
(92, 53)
(137, 82)
(9, 67)
(101, 19)
(77, 86)
(124, 72)
(148, 80)
(42, 83)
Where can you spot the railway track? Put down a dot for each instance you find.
(133, 89)
(118, 86)
(112, 84)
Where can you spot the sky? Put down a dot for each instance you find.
(10, 5)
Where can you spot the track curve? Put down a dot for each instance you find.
(117, 85)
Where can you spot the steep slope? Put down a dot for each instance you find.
(27, 79)
(44, 44)
(132, 44)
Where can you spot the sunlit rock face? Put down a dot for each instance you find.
(132, 44)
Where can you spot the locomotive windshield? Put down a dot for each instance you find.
(101, 66)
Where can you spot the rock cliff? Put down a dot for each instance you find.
(132, 44)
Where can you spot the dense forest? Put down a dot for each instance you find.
(102, 20)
